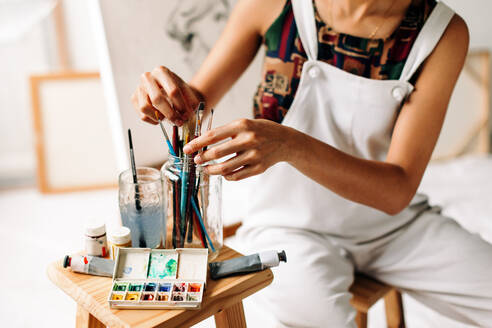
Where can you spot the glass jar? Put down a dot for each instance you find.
(200, 199)
(142, 207)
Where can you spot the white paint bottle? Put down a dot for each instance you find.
(119, 237)
(95, 238)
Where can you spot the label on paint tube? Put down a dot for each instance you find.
(245, 264)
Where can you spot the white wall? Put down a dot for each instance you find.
(17, 59)
(476, 13)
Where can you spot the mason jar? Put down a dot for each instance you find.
(193, 206)
(142, 207)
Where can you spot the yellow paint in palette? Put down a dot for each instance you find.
(132, 296)
(117, 297)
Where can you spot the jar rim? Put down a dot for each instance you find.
(126, 176)
(179, 160)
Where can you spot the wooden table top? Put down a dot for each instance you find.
(91, 293)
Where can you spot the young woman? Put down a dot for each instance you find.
(348, 111)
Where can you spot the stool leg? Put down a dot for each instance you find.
(361, 319)
(232, 317)
(394, 309)
(86, 320)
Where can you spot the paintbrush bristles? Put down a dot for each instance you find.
(209, 125)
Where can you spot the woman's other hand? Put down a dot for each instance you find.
(163, 91)
(257, 145)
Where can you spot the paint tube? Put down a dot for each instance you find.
(90, 265)
(245, 264)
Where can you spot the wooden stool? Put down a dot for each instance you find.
(222, 299)
(367, 291)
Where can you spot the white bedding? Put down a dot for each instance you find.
(463, 188)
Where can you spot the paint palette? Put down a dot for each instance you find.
(145, 278)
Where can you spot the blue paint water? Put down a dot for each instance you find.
(146, 225)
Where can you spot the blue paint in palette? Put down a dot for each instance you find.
(165, 287)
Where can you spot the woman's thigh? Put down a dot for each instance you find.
(311, 289)
(444, 266)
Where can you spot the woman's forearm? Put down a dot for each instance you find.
(381, 185)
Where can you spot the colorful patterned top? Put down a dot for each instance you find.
(372, 58)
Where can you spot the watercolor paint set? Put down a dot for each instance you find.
(145, 278)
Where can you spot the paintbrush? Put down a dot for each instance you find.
(200, 220)
(184, 188)
(209, 125)
(198, 122)
(134, 172)
(176, 140)
(192, 177)
(169, 145)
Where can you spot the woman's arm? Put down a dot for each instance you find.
(388, 186)
(176, 100)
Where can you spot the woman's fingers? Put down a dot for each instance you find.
(209, 138)
(147, 119)
(190, 96)
(231, 147)
(229, 166)
(245, 172)
(223, 132)
(145, 107)
(158, 99)
(164, 91)
(171, 89)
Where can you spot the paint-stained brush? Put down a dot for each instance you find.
(169, 145)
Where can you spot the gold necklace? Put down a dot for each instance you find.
(373, 34)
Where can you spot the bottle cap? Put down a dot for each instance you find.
(120, 236)
(94, 228)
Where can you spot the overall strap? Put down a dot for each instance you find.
(306, 26)
(428, 37)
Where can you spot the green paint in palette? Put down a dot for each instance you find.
(163, 265)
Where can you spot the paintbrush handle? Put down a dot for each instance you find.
(134, 171)
(197, 211)
(171, 150)
(184, 189)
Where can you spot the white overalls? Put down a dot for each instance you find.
(327, 237)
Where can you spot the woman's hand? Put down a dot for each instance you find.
(163, 91)
(258, 144)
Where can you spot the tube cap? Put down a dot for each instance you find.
(282, 256)
(66, 261)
